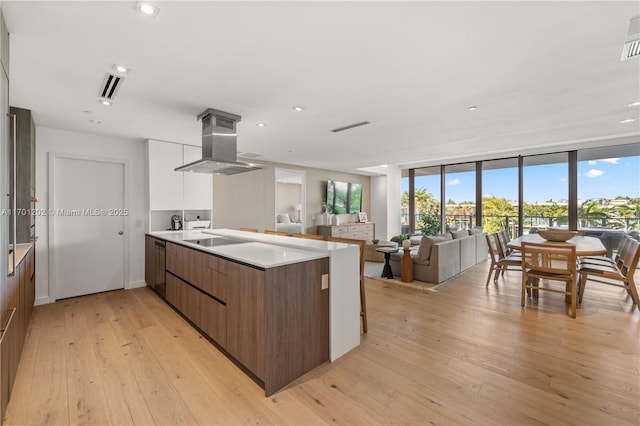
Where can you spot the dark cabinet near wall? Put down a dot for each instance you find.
(154, 269)
(25, 138)
(15, 318)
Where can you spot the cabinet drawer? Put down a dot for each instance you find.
(367, 227)
(177, 258)
(205, 312)
(208, 272)
(339, 231)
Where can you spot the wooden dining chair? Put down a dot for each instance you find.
(549, 262)
(499, 262)
(503, 241)
(608, 261)
(308, 236)
(363, 301)
(283, 233)
(249, 229)
(612, 274)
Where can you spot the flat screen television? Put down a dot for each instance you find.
(344, 197)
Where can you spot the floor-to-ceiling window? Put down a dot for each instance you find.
(500, 195)
(603, 191)
(426, 201)
(609, 188)
(545, 191)
(460, 195)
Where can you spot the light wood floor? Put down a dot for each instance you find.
(465, 354)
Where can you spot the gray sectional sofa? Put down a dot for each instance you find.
(436, 259)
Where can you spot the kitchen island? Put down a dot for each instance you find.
(264, 300)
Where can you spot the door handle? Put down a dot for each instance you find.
(120, 232)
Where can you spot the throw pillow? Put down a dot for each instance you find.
(460, 234)
(475, 231)
(415, 239)
(283, 218)
(426, 244)
(446, 236)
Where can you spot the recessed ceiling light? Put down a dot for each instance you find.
(473, 108)
(634, 104)
(96, 121)
(298, 108)
(121, 68)
(628, 120)
(146, 8)
(261, 124)
(105, 102)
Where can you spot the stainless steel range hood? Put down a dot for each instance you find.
(219, 146)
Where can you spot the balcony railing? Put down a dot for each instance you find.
(541, 222)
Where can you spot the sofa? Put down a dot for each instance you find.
(437, 259)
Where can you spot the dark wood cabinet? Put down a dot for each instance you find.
(15, 319)
(204, 311)
(155, 264)
(274, 321)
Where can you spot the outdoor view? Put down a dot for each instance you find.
(608, 194)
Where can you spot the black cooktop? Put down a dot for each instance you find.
(214, 242)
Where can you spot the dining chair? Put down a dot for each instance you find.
(549, 262)
(308, 236)
(503, 240)
(608, 261)
(499, 262)
(363, 301)
(283, 233)
(612, 274)
(249, 229)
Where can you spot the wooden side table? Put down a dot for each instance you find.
(406, 267)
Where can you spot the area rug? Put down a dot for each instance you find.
(418, 285)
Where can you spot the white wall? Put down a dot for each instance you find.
(61, 141)
(385, 203)
(248, 199)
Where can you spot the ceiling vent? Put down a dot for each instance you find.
(630, 50)
(109, 87)
(350, 126)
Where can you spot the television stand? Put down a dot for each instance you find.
(357, 231)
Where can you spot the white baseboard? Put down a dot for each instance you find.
(41, 301)
(136, 284)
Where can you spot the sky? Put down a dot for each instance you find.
(606, 178)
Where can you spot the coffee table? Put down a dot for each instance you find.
(386, 271)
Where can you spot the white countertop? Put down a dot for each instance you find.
(259, 251)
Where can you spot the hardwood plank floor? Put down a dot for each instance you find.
(463, 354)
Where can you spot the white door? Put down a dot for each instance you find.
(87, 211)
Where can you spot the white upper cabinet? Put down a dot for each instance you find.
(165, 184)
(171, 190)
(198, 187)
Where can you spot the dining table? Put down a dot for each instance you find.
(585, 246)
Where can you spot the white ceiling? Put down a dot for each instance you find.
(542, 74)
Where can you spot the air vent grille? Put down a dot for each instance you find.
(630, 50)
(350, 126)
(109, 87)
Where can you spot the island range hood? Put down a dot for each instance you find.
(219, 146)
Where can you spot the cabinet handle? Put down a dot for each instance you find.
(13, 192)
